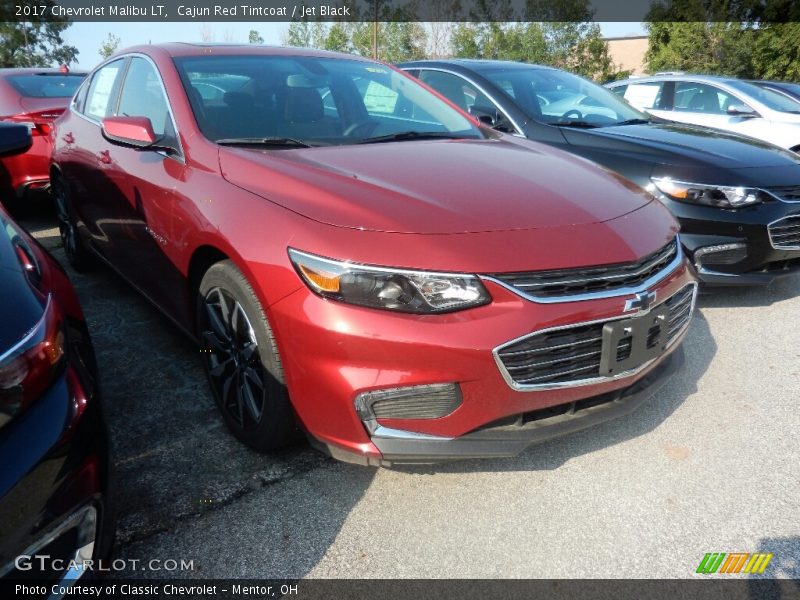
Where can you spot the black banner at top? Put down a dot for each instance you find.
(400, 10)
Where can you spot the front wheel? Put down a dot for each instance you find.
(241, 360)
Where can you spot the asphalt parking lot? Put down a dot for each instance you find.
(711, 464)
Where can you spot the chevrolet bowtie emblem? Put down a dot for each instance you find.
(642, 302)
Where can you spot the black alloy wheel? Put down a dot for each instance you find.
(234, 363)
(241, 360)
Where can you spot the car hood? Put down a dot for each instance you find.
(684, 145)
(438, 186)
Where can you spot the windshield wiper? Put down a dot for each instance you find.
(414, 135)
(575, 123)
(631, 122)
(265, 141)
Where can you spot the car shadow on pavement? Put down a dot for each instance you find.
(748, 296)
(781, 578)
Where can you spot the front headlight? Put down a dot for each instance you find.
(711, 195)
(419, 292)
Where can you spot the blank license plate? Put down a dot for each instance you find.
(630, 343)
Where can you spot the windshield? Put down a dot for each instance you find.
(556, 97)
(46, 85)
(768, 98)
(312, 101)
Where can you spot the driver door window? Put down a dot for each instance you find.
(701, 98)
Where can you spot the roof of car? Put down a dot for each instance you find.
(204, 49)
(35, 71)
(674, 77)
(478, 64)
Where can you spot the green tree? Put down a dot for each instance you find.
(716, 48)
(575, 46)
(500, 41)
(397, 41)
(254, 37)
(34, 43)
(109, 46)
(589, 56)
(776, 51)
(307, 34)
(337, 38)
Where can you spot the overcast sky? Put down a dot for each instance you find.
(87, 37)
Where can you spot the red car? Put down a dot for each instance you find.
(360, 259)
(34, 97)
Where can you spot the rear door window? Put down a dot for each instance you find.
(101, 90)
(643, 95)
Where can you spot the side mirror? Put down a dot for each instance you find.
(485, 114)
(130, 131)
(14, 139)
(741, 110)
(492, 117)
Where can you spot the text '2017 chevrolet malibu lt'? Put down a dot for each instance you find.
(357, 257)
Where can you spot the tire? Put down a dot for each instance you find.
(79, 256)
(241, 360)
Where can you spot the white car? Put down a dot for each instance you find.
(719, 102)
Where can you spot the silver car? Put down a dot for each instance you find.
(719, 102)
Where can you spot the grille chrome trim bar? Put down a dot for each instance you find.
(779, 191)
(793, 225)
(522, 387)
(613, 293)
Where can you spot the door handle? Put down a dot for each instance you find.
(104, 157)
(69, 138)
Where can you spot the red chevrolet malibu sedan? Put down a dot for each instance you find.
(362, 261)
(35, 97)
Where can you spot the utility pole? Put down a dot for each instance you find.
(375, 31)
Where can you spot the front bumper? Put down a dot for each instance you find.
(511, 439)
(333, 353)
(758, 262)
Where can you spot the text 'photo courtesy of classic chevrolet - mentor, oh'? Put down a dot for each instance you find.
(361, 261)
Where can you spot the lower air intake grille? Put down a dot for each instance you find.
(785, 234)
(415, 402)
(571, 356)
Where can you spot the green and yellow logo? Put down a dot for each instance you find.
(734, 562)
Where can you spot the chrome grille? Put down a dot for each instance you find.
(570, 356)
(785, 233)
(556, 285)
(790, 193)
